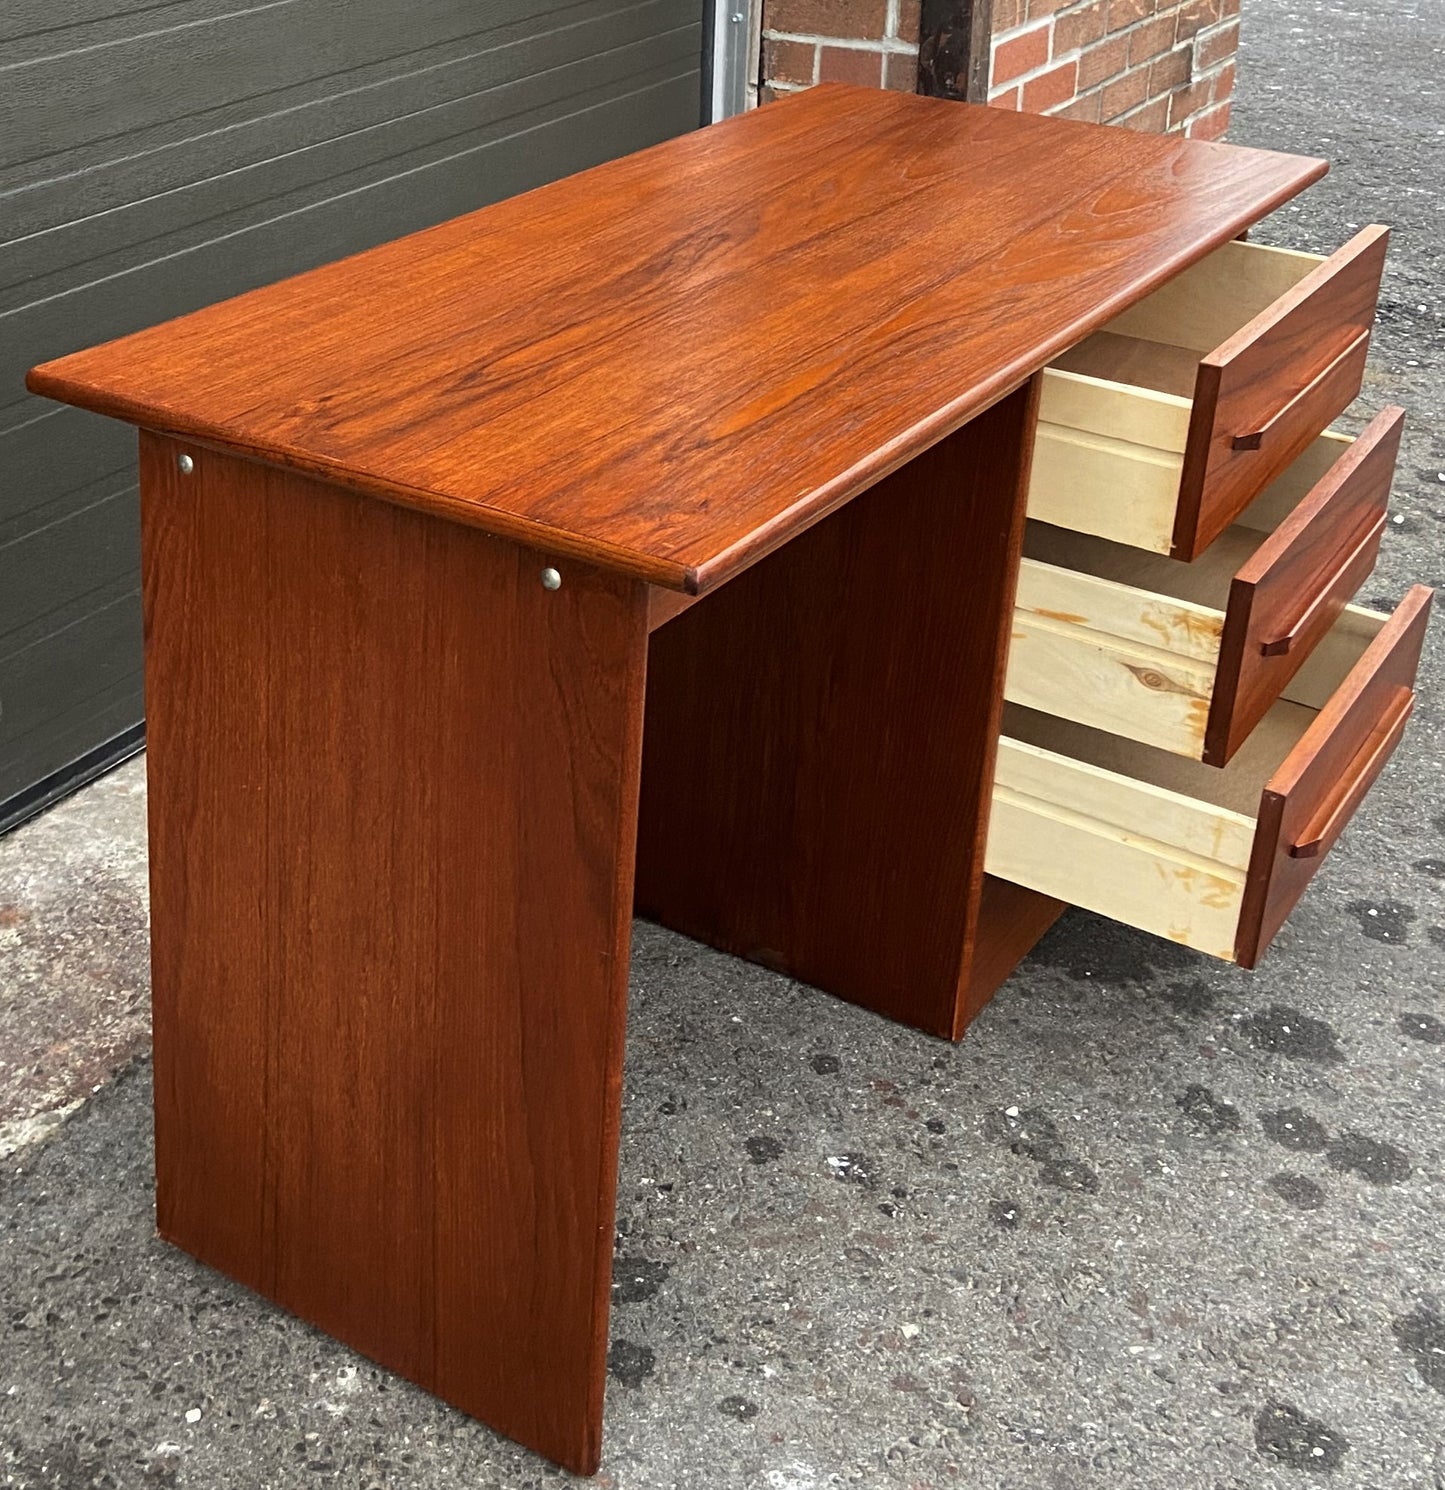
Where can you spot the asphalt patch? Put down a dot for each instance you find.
(1069, 1174)
(1088, 948)
(1293, 1128)
(630, 1363)
(1005, 1214)
(1029, 1132)
(1424, 1027)
(1281, 1030)
(1297, 1190)
(1283, 1432)
(1421, 1336)
(1385, 920)
(1372, 1159)
(1208, 1113)
(635, 1279)
(1190, 1000)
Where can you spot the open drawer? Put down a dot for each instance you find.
(1214, 859)
(1160, 429)
(1189, 657)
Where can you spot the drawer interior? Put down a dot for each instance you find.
(1236, 786)
(1151, 839)
(1159, 429)
(1157, 343)
(1206, 581)
(1133, 642)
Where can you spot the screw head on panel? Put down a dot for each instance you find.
(551, 580)
(185, 465)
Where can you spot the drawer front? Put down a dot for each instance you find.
(1265, 393)
(1316, 791)
(1291, 592)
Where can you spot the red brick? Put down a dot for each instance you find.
(1054, 87)
(1216, 45)
(789, 61)
(1153, 118)
(1021, 54)
(1186, 101)
(1210, 124)
(849, 65)
(1008, 99)
(1125, 93)
(1125, 12)
(1106, 60)
(1228, 8)
(900, 72)
(1170, 70)
(1038, 9)
(1221, 85)
(1085, 108)
(1195, 15)
(1080, 28)
(1007, 14)
(863, 19)
(908, 18)
(1152, 39)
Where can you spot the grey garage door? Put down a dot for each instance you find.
(157, 156)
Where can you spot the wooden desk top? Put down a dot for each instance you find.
(672, 363)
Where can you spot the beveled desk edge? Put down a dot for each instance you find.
(713, 548)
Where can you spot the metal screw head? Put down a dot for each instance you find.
(551, 580)
(185, 465)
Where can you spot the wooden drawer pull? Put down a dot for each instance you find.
(1318, 836)
(1255, 438)
(1281, 645)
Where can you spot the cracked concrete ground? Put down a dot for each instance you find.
(1154, 1223)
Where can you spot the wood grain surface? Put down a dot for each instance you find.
(1292, 589)
(670, 364)
(1309, 801)
(820, 739)
(1267, 392)
(392, 807)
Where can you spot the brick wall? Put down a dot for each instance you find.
(874, 42)
(1147, 64)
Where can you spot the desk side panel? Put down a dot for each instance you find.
(393, 804)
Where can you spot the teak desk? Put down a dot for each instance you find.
(653, 539)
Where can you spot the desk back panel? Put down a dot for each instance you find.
(819, 737)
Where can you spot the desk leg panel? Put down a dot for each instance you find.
(393, 811)
(820, 737)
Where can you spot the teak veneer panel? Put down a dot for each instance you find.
(670, 364)
(820, 740)
(393, 788)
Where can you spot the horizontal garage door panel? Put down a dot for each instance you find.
(367, 205)
(76, 686)
(156, 158)
(193, 69)
(602, 46)
(51, 464)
